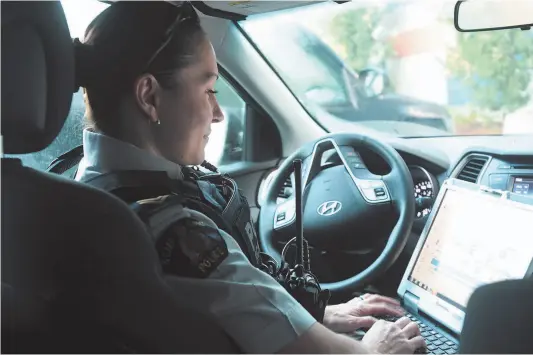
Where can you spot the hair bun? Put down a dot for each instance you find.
(85, 64)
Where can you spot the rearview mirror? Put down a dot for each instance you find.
(487, 15)
(374, 80)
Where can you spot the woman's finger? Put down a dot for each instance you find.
(380, 309)
(362, 322)
(402, 322)
(411, 330)
(417, 342)
(381, 299)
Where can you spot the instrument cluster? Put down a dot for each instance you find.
(425, 191)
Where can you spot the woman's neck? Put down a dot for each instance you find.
(132, 133)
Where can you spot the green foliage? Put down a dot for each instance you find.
(496, 65)
(353, 31)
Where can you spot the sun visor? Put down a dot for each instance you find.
(239, 10)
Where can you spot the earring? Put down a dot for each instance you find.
(158, 122)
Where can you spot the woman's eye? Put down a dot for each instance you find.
(213, 92)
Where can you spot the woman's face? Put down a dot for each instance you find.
(187, 112)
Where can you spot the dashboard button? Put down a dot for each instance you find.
(504, 166)
(498, 181)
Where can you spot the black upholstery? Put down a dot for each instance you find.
(37, 74)
(499, 319)
(79, 271)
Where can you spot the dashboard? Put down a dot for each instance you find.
(497, 162)
(507, 173)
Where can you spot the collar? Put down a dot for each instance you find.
(103, 154)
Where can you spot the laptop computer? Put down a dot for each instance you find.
(474, 236)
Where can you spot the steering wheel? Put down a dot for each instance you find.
(344, 206)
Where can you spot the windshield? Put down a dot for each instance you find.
(399, 67)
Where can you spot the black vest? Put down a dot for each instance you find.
(214, 195)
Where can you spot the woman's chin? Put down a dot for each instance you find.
(199, 160)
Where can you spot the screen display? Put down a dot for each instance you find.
(523, 185)
(474, 239)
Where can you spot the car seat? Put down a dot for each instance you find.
(80, 273)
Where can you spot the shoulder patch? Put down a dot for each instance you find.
(191, 248)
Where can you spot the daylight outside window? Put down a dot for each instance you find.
(400, 67)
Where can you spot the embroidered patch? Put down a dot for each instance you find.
(191, 248)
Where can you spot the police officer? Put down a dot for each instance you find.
(148, 73)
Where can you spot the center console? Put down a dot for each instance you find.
(522, 185)
(506, 173)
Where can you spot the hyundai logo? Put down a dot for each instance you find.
(329, 208)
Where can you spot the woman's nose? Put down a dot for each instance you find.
(218, 115)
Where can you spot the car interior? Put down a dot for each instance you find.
(79, 272)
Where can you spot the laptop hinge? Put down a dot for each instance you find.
(410, 302)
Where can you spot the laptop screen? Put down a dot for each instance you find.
(474, 239)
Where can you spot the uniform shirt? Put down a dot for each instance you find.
(253, 308)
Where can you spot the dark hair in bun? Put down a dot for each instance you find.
(129, 39)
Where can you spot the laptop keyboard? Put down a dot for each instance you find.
(436, 341)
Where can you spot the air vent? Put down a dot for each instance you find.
(471, 170)
(286, 190)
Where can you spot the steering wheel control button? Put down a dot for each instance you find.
(377, 184)
(348, 152)
(370, 194)
(353, 159)
(285, 214)
(380, 192)
(373, 190)
(365, 184)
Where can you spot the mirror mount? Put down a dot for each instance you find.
(375, 81)
(492, 15)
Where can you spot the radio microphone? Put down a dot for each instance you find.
(299, 281)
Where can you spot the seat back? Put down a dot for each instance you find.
(499, 319)
(79, 272)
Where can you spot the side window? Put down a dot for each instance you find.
(226, 141)
(69, 137)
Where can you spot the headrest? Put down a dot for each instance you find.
(37, 74)
(499, 319)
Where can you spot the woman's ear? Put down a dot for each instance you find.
(146, 96)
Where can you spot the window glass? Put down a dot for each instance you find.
(411, 73)
(226, 141)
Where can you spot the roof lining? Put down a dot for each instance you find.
(207, 10)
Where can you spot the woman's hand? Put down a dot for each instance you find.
(358, 313)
